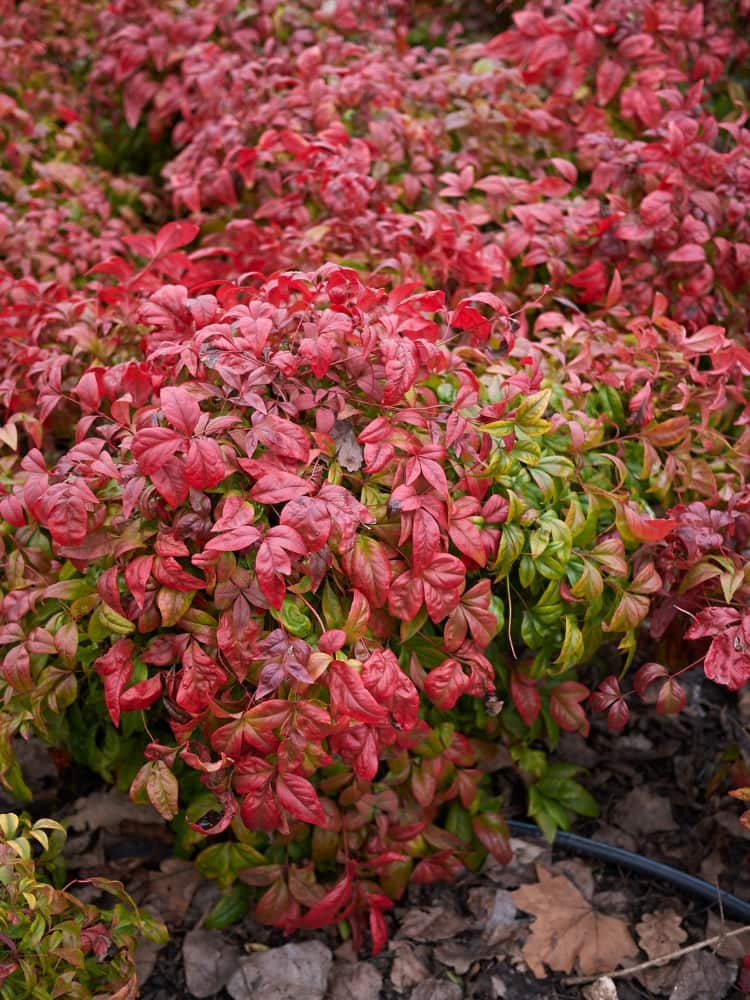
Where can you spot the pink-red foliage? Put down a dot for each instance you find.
(359, 380)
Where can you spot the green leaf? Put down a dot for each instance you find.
(557, 466)
(458, 822)
(294, 620)
(572, 646)
(333, 610)
(224, 861)
(532, 408)
(526, 571)
(510, 548)
(229, 909)
(525, 450)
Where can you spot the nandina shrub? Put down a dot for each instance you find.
(305, 514)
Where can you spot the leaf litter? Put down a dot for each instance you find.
(568, 932)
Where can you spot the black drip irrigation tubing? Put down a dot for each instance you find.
(734, 908)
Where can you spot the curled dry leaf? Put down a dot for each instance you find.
(568, 931)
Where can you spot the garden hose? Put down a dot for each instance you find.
(734, 908)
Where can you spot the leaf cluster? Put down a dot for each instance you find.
(53, 944)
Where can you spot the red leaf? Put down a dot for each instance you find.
(646, 675)
(443, 581)
(641, 528)
(153, 447)
(309, 516)
(690, 253)
(369, 569)
(137, 575)
(273, 561)
(300, 799)
(11, 510)
(472, 614)
(609, 76)
(141, 695)
(200, 679)
(328, 910)
(592, 281)
(406, 596)
(445, 684)
(349, 696)
(253, 730)
(234, 540)
(169, 573)
(277, 487)
(283, 438)
(712, 621)
(204, 464)
(728, 659)
(464, 534)
(180, 408)
(97, 939)
(16, 669)
(608, 698)
(378, 931)
(492, 830)
(390, 686)
(357, 746)
(401, 367)
(173, 236)
(566, 709)
(115, 668)
(278, 907)
(66, 514)
(425, 539)
(525, 697)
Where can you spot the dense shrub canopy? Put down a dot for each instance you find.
(364, 372)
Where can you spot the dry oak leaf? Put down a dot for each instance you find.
(568, 930)
(660, 933)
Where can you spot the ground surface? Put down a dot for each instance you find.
(473, 939)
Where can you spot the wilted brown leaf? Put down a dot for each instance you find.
(660, 933)
(408, 968)
(434, 923)
(349, 452)
(568, 931)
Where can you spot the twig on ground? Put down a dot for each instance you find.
(654, 962)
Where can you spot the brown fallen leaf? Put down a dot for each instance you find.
(643, 812)
(568, 931)
(434, 923)
(354, 979)
(349, 452)
(660, 933)
(701, 976)
(731, 947)
(168, 892)
(409, 968)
